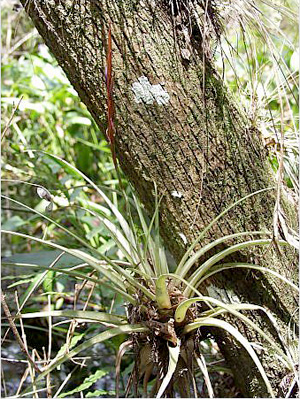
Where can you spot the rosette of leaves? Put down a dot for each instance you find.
(164, 310)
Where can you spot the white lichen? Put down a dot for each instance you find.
(176, 194)
(146, 93)
(183, 237)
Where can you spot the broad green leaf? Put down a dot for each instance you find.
(43, 258)
(48, 283)
(88, 382)
(75, 119)
(13, 223)
(98, 393)
(74, 340)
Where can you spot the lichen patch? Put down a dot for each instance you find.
(148, 94)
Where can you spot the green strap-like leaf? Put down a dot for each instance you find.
(234, 310)
(108, 334)
(44, 216)
(203, 233)
(114, 209)
(173, 360)
(183, 269)
(211, 322)
(107, 271)
(161, 293)
(200, 272)
(78, 314)
(75, 274)
(226, 266)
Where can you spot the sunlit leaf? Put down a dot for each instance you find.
(173, 360)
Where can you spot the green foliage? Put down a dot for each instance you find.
(258, 56)
(40, 110)
(87, 383)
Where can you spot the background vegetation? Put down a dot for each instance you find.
(41, 113)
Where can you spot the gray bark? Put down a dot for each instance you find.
(199, 144)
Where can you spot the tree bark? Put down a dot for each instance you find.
(198, 144)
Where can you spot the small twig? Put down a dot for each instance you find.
(122, 349)
(74, 323)
(79, 288)
(89, 294)
(16, 333)
(21, 322)
(3, 382)
(7, 359)
(48, 378)
(23, 379)
(65, 382)
(50, 329)
(110, 131)
(112, 304)
(32, 375)
(11, 118)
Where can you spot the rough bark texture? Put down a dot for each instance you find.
(198, 144)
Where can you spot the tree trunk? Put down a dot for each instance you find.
(191, 139)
